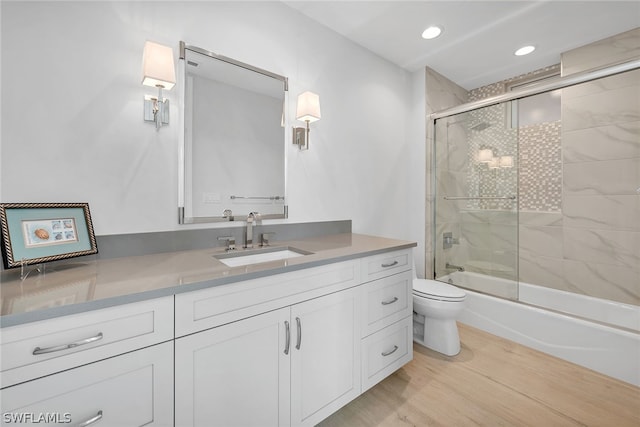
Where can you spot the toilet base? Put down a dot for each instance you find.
(438, 335)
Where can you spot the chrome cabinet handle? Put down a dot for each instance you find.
(299, 333)
(387, 353)
(85, 341)
(288, 337)
(390, 265)
(91, 420)
(390, 302)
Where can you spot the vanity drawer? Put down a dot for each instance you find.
(133, 389)
(382, 265)
(41, 348)
(386, 301)
(386, 351)
(219, 305)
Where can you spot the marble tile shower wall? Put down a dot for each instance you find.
(592, 246)
(601, 175)
(587, 242)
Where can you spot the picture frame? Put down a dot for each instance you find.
(34, 233)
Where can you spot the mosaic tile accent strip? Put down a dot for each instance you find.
(498, 88)
(540, 161)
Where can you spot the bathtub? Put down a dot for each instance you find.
(597, 334)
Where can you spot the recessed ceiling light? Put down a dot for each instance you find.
(525, 50)
(432, 32)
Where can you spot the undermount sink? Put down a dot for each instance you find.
(255, 256)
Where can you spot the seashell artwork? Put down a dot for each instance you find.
(41, 234)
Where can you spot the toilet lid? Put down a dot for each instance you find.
(437, 290)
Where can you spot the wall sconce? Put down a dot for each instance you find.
(503, 162)
(506, 161)
(308, 110)
(485, 155)
(157, 71)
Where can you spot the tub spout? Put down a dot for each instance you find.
(453, 267)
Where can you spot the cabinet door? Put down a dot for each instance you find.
(325, 359)
(235, 375)
(134, 389)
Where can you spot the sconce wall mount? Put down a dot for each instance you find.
(157, 71)
(308, 111)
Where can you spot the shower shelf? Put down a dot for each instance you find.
(479, 198)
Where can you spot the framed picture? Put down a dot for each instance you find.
(34, 233)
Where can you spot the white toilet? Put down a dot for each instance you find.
(436, 306)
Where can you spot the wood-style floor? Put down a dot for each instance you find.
(492, 382)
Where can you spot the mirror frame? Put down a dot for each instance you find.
(182, 179)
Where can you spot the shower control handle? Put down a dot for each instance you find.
(448, 240)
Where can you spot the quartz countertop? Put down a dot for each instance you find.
(75, 287)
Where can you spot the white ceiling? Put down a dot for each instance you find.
(479, 38)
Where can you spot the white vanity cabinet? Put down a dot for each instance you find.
(36, 349)
(387, 315)
(234, 375)
(113, 366)
(285, 349)
(294, 365)
(325, 356)
(134, 389)
(291, 349)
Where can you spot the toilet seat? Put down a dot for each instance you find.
(432, 289)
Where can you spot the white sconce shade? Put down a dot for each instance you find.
(308, 109)
(157, 66)
(157, 71)
(485, 155)
(506, 162)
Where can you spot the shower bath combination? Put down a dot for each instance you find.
(518, 219)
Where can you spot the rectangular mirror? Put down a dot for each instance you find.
(233, 144)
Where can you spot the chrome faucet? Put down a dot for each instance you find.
(251, 218)
(453, 267)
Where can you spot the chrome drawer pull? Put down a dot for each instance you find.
(390, 302)
(85, 341)
(288, 337)
(390, 265)
(90, 421)
(388, 353)
(299, 333)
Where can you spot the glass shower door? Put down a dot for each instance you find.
(476, 200)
